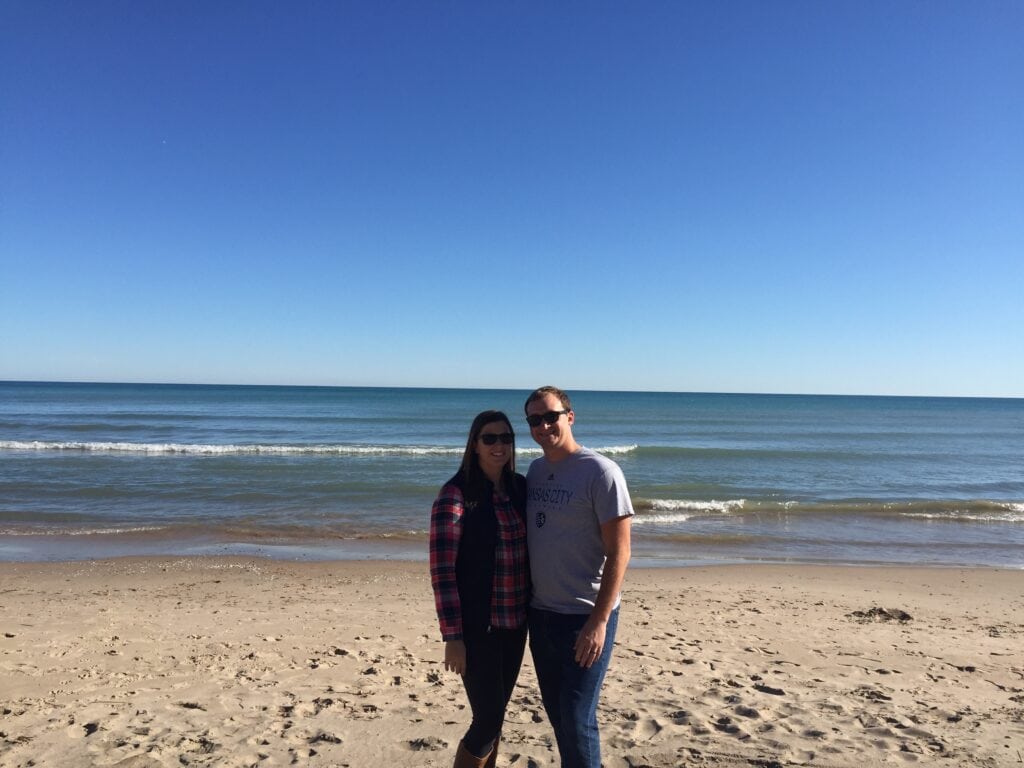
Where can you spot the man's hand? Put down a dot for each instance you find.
(590, 642)
(455, 656)
(615, 536)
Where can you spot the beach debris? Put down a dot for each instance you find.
(90, 728)
(881, 614)
(431, 743)
(201, 744)
(768, 689)
(323, 736)
(191, 705)
(321, 703)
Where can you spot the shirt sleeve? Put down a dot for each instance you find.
(610, 495)
(445, 532)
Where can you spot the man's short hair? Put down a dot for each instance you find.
(541, 392)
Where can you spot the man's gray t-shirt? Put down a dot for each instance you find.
(567, 502)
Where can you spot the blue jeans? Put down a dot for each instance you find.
(569, 691)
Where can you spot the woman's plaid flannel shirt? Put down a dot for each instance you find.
(510, 587)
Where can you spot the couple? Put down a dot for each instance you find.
(572, 514)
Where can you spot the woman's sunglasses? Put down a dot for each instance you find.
(505, 437)
(548, 418)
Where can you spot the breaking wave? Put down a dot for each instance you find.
(203, 449)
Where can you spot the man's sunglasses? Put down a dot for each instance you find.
(505, 437)
(548, 418)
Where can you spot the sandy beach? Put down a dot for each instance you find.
(242, 662)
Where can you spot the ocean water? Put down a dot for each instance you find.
(93, 470)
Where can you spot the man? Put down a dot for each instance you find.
(578, 532)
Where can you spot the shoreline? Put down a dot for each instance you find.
(648, 552)
(144, 662)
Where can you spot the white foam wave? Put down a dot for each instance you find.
(199, 449)
(1010, 516)
(980, 511)
(688, 505)
(617, 450)
(654, 511)
(679, 517)
(80, 532)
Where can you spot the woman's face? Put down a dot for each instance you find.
(494, 457)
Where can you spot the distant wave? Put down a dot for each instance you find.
(201, 449)
(689, 452)
(653, 511)
(618, 450)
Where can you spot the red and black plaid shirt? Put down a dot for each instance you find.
(511, 582)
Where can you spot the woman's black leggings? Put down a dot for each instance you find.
(493, 659)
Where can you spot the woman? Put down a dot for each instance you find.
(480, 575)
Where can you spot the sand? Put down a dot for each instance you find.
(234, 662)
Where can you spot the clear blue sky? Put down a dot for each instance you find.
(699, 196)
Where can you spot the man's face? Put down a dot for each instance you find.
(556, 434)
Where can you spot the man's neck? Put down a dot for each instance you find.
(560, 453)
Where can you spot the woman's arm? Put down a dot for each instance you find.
(445, 532)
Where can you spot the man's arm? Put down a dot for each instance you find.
(615, 537)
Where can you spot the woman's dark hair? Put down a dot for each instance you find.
(470, 464)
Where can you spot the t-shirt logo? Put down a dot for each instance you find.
(540, 519)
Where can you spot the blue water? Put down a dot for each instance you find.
(90, 470)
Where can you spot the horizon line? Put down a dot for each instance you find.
(501, 389)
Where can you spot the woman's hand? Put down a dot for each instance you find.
(455, 656)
